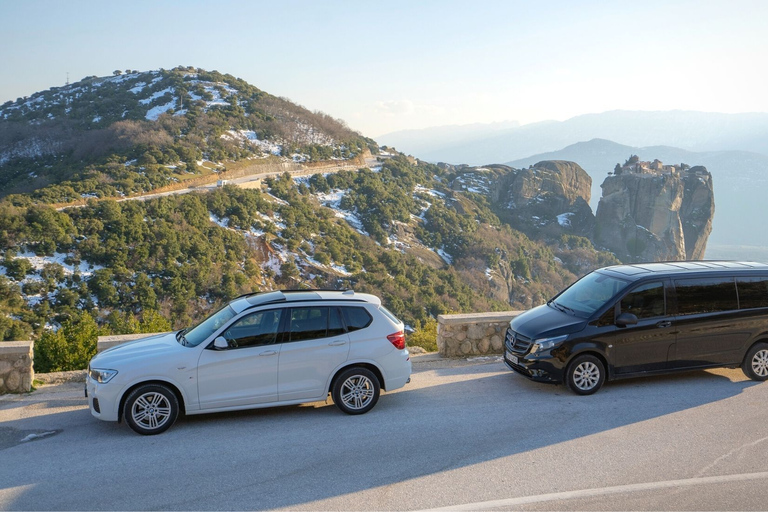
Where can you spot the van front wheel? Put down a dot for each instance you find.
(755, 365)
(585, 375)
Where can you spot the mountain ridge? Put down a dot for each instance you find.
(692, 130)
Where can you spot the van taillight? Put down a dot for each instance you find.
(397, 339)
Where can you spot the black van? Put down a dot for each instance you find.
(644, 319)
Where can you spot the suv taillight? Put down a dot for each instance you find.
(397, 339)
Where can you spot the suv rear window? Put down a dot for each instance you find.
(356, 318)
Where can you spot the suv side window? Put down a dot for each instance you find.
(256, 329)
(356, 318)
(753, 292)
(314, 322)
(645, 301)
(706, 295)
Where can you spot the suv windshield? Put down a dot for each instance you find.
(588, 294)
(202, 331)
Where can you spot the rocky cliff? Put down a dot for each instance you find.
(550, 197)
(652, 212)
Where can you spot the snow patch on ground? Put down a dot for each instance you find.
(84, 268)
(155, 112)
(446, 257)
(564, 219)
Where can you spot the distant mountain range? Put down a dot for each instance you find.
(494, 143)
(740, 181)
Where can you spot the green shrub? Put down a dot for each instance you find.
(426, 337)
(69, 348)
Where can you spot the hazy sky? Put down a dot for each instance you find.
(386, 66)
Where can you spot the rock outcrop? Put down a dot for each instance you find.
(551, 197)
(655, 212)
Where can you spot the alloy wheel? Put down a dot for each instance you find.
(151, 410)
(586, 375)
(357, 392)
(760, 363)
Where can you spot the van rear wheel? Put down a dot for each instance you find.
(585, 375)
(755, 365)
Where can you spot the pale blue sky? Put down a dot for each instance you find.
(412, 64)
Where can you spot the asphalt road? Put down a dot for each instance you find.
(470, 435)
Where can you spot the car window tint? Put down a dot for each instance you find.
(335, 327)
(753, 292)
(356, 318)
(308, 323)
(645, 301)
(705, 295)
(254, 330)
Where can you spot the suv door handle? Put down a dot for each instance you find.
(665, 323)
(269, 353)
(337, 343)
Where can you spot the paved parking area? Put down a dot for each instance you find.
(468, 434)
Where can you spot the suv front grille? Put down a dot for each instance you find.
(517, 343)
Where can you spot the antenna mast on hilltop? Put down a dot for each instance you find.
(67, 78)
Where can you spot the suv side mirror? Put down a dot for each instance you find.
(220, 343)
(626, 319)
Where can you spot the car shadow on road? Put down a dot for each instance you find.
(447, 418)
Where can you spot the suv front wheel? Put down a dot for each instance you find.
(356, 390)
(151, 409)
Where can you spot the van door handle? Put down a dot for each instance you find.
(269, 353)
(665, 323)
(337, 343)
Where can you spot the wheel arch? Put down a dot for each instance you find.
(590, 352)
(763, 338)
(368, 366)
(175, 389)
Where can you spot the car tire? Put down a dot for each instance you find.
(755, 365)
(151, 409)
(585, 375)
(356, 390)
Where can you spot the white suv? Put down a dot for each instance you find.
(260, 350)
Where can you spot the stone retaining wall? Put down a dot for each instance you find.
(473, 333)
(105, 342)
(16, 372)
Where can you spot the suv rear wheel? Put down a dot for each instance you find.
(356, 390)
(755, 365)
(585, 375)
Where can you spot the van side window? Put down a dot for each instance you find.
(645, 301)
(753, 292)
(706, 295)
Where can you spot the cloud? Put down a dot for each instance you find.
(395, 107)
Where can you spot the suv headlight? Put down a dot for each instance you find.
(543, 344)
(101, 376)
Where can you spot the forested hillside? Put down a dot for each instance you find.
(134, 132)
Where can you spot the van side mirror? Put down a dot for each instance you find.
(220, 343)
(626, 319)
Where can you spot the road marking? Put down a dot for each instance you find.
(604, 491)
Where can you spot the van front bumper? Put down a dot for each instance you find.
(540, 370)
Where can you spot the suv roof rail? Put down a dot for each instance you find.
(347, 291)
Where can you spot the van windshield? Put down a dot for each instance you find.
(588, 294)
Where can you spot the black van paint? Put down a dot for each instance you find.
(662, 343)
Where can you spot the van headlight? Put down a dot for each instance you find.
(543, 344)
(101, 376)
